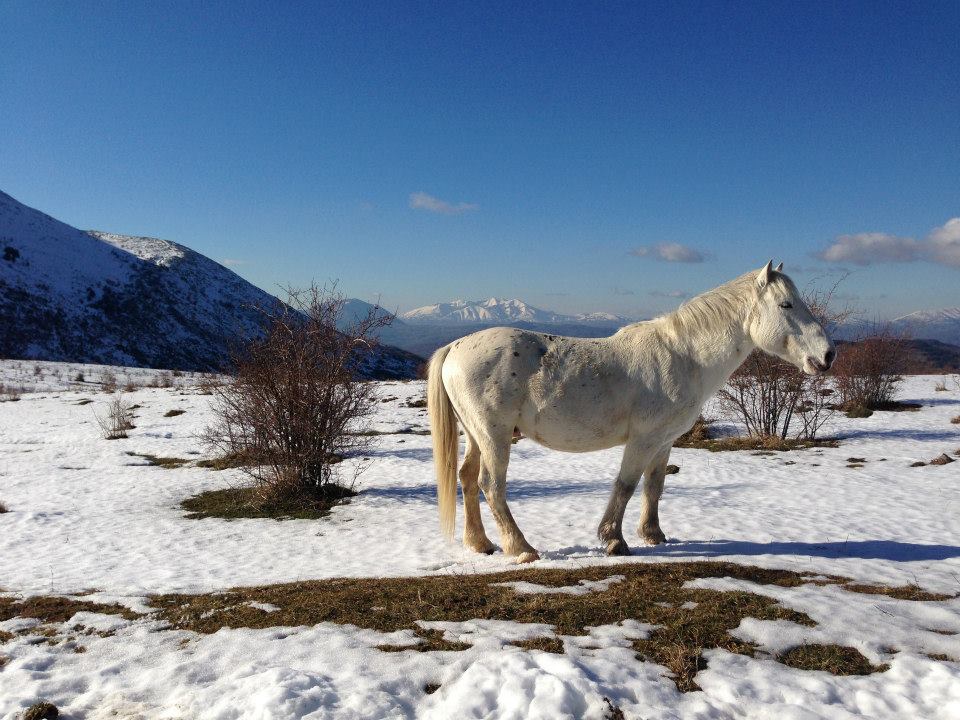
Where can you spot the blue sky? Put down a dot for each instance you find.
(581, 156)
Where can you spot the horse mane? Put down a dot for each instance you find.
(712, 309)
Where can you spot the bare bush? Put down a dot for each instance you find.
(108, 382)
(118, 420)
(79, 377)
(774, 399)
(941, 385)
(10, 393)
(869, 369)
(296, 406)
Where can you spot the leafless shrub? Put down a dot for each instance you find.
(869, 369)
(296, 403)
(774, 399)
(941, 385)
(37, 371)
(10, 393)
(130, 386)
(79, 377)
(118, 420)
(108, 381)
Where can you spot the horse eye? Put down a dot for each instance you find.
(786, 304)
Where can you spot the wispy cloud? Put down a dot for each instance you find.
(232, 262)
(676, 294)
(423, 201)
(941, 245)
(670, 252)
(623, 291)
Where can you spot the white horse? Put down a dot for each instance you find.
(642, 387)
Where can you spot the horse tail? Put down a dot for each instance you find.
(443, 430)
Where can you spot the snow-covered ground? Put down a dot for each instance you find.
(85, 515)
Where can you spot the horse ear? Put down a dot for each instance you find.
(765, 275)
(780, 267)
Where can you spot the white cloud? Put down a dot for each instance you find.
(423, 201)
(677, 294)
(941, 245)
(232, 262)
(670, 252)
(870, 248)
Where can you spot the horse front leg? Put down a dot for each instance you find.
(653, 477)
(610, 531)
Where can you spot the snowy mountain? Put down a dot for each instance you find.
(498, 311)
(71, 295)
(942, 325)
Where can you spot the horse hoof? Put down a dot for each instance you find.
(618, 547)
(526, 557)
(655, 538)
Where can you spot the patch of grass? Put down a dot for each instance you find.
(85, 401)
(835, 659)
(546, 644)
(51, 609)
(859, 411)
(612, 712)
(650, 593)
(429, 640)
(6, 636)
(902, 592)
(224, 462)
(170, 463)
(939, 657)
(3, 508)
(41, 711)
(756, 442)
(174, 413)
(247, 502)
(420, 403)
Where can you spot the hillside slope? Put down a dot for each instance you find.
(97, 297)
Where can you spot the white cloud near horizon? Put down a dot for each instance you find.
(424, 201)
(669, 252)
(941, 246)
(232, 262)
(676, 294)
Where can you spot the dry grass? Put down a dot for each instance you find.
(174, 413)
(955, 420)
(835, 659)
(223, 462)
(3, 508)
(249, 502)
(169, 463)
(756, 442)
(41, 711)
(6, 636)
(903, 592)
(56, 609)
(649, 593)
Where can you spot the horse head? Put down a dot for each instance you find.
(783, 325)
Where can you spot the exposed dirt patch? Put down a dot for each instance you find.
(41, 711)
(248, 502)
(174, 413)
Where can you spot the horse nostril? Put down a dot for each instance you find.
(828, 358)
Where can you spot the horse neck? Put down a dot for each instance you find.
(716, 351)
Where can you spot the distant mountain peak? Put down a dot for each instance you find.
(494, 310)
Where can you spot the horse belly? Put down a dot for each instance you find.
(561, 429)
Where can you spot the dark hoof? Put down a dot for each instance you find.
(618, 547)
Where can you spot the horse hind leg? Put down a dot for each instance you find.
(474, 537)
(494, 457)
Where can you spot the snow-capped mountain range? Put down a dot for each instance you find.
(498, 310)
(96, 297)
(942, 325)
